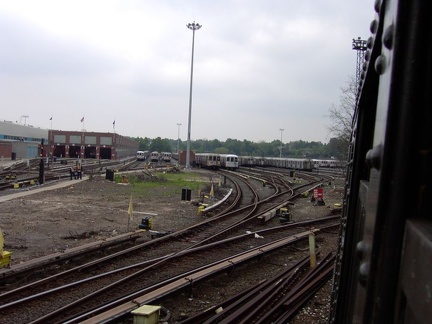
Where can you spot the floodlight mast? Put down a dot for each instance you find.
(193, 26)
(280, 151)
(359, 45)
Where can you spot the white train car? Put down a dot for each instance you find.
(208, 160)
(166, 156)
(140, 156)
(154, 156)
(229, 161)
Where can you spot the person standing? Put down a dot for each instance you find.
(79, 171)
(72, 172)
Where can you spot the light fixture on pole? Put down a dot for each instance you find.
(25, 119)
(280, 151)
(193, 26)
(178, 137)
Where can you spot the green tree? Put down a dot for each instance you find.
(160, 145)
(294, 149)
(143, 143)
(221, 150)
(337, 148)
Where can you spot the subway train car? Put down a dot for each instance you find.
(154, 156)
(329, 163)
(383, 272)
(252, 161)
(289, 163)
(166, 156)
(208, 160)
(276, 162)
(142, 155)
(229, 161)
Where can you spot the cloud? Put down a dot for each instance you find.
(258, 65)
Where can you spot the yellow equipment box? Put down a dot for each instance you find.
(147, 314)
(6, 259)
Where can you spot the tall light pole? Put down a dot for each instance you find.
(194, 26)
(178, 137)
(25, 119)
(280, 152)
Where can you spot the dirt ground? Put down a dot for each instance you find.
(83, 212)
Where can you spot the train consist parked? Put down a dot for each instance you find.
(229, 161)
(154, 156)
(142, 155)
(233, 162)
(166, 157)
(289, 163)
(207, 160)
(327, 163)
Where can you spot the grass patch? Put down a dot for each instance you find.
(165, 184)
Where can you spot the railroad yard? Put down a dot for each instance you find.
(96, 210)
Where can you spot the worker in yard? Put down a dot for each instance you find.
(72, 173)
(79, 171)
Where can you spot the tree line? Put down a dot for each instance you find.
(296, 149)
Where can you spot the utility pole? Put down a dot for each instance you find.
(178, 137)
(280, 150)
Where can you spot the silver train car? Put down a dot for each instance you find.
(252, 161)
(328, 163)
(229, 161)
(154, 156)
(142, 155)
(166, 156)
(207, 160)
(287, 163)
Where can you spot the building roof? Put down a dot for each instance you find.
(26, 131)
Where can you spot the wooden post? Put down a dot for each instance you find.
(312, 250)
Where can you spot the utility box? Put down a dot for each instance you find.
(146, 223)
(6, 259)
(109, 175)
(186, 194)
(147, 314)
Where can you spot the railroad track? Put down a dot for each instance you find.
(24, 175)
(136, 268)
(92, 286)
(182, 239)
(275, 300)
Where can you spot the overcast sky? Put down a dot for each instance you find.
(259, 66)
